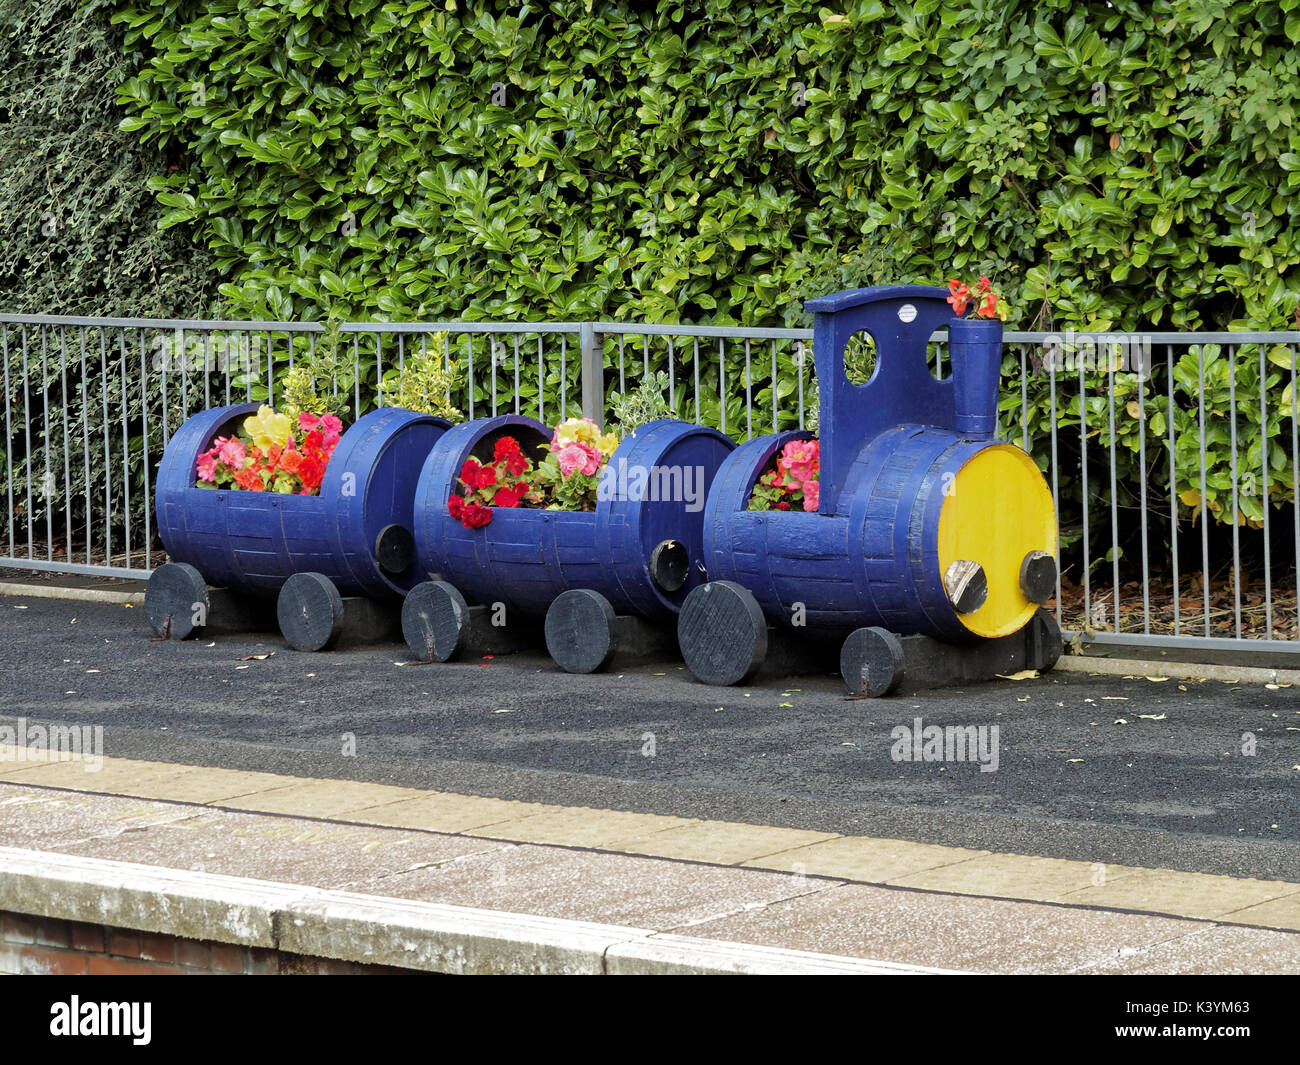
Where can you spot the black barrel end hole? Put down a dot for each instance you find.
(669, 565)
(394, 549)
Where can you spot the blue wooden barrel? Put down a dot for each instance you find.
(351, 532)
(915, 500)
(525, 558)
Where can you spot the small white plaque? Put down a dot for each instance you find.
(907, 313)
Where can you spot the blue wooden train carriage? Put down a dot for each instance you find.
(352, 539)
(638, 555)
(925, 525)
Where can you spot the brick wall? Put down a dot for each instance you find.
(43, 945)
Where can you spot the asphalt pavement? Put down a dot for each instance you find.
(1132, 771)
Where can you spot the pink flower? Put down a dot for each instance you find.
(570, 458)
(232, 452)
(307, 422)
(812, 492)
(208, 466)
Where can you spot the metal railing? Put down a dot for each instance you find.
(91, 402)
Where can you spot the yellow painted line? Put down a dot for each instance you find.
(862, 859)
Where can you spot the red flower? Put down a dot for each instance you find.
(312, 471)
(507, 497)
(782, 505)
(988, 307)
(505, 447)
(516, 464)
(958, 296)
(475, 516)
(456, 505)
(487, 477)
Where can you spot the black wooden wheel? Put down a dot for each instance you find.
(722, 633)
(435, 617)
(580, 633)
(176, 600)
(670, 564)
(310, 612)
(871, 661)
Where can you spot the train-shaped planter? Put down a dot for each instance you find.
(603, 580)
(929, 552)
(926, 526)
(325, 559)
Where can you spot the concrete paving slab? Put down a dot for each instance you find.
(1014, 876)
(321, 798)
(722, 842)
(1214, 950)
(577, 826)
(36, 817)
(594, 886)
(947, 931)
(443, 812)
(1183, 894)
(867, 859)
(1282, 912)
(286, 850)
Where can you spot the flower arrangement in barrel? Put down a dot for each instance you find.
(792, 481)
(567, 478)
(272, 453)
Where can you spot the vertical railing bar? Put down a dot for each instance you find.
(622, 384)
(722, 384)
(672, 397)
(85, 439)
(108, 466)
(1114, 497)
(645, 355)
(379, 371)
(207, 369)
(1173, 495)
(1295, 487)
(67, 451)
(1236, 542)
(516, 373)
(225, 362)
(356, 376)
(1205, 504)
(1056, 486)
(492, 365)
(1024, 397)
(749, 395)
(270, 370)
(564, 377)
(541, 381)
(185, 378)
(1264, 441)
(798, 370)
(126, 449)
(1142, 495)
(27, 437)
(9, 462)
(49, 474)
(469, 373)
(144, 440)
(1083, 459)
(773, 389)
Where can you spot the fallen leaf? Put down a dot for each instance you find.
(1153, 717)
(255, 658)
(1024, 674)
(243, 667)
(92, 671)
(1074, 759)
(1120, 721)
(1116, 698)
(1157, 680)
(17, 607)
(658, 674)
(502, 710)
(1023, 699)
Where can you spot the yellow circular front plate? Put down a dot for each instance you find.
(997, 510)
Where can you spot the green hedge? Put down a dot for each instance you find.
(1114, 165)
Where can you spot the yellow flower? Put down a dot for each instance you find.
(267, 428)
(608, 443)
